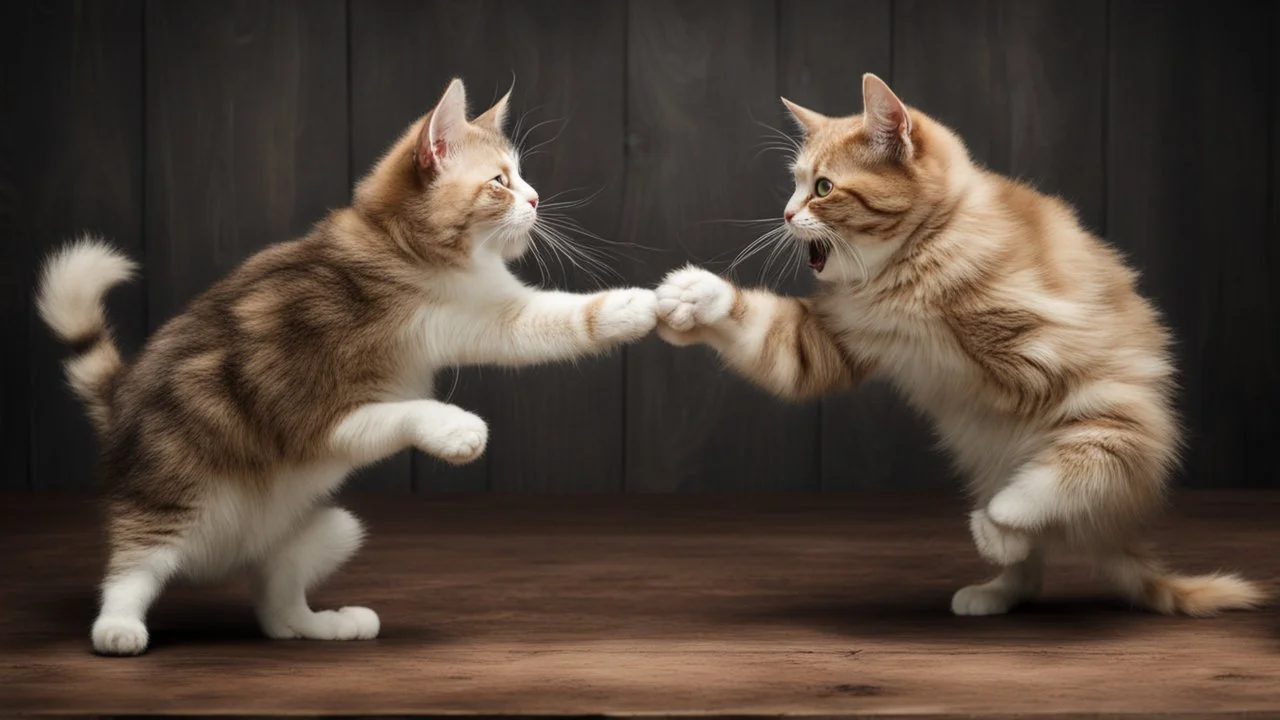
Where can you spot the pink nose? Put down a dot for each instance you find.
(534, 201)
(788, 215)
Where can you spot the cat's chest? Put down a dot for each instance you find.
(916, 350)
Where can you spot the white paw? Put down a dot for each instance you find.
(367, 623)
(453, 435)
(1029, 501)
(691, 297)
(119, 636)
(1000, 545)
(625, 315)
(984, 599)
(349, 623)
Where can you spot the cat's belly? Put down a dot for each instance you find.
(934, 375)
(240, 522)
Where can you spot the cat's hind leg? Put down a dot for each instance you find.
(323, 542)
(1016, 582)
(134, 579)
(143, 555)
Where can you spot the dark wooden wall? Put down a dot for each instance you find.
(193, 133)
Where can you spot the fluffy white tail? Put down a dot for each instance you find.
(74, 281)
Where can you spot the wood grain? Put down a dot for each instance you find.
(73, 164)
(761, 605)
(552, 429)
(699, 74)
(1187, 199)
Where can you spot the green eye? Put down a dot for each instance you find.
(823, 187)
(501, 180)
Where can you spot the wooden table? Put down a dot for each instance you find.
(650, 605)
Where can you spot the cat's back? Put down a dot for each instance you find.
(257, 366)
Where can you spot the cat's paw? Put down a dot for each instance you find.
(692, 297)
(119, 636)
(984, 599)
(349, 623)
(453, 435)
(1001, 545)
(623, 315)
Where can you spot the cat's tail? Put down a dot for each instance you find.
(1146, 581)
(72, 285)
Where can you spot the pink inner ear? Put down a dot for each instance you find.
(438, 149)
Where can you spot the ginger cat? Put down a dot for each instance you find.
(223, 441)
(988, 306)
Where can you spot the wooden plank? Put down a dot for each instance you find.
(698, 75)
(869, 438)
(553, 429)
(73, 164)
(1051, 84)
(247, 143)
(943, 55)
(1188, 200)
(793, 605)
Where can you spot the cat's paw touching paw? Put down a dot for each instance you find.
(1000, 545)
(119, 636)
(457, 438)
(624, 315)
(692, 297)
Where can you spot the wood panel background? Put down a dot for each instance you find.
(193, 134)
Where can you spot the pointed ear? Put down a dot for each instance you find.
(884, 115)
(445, 128)
(807, 119)
(495, 117)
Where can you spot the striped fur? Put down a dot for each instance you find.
(1047, 376)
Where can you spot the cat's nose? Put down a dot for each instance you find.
(788, 215)
(534, 202)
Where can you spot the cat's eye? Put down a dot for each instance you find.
(500, 179)
(823, 187)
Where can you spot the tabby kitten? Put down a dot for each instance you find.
(225, 438)
(997, 315)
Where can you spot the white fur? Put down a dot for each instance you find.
(73, 283)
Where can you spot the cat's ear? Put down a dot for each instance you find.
(884, 115)
(808, 120)
(495, 117)
(445, 129)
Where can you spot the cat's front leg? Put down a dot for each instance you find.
(777, 342)
(377, 430)
(539, 327)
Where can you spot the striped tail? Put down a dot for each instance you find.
(72, 285)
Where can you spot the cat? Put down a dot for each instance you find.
(1019, 334)
(224, 439)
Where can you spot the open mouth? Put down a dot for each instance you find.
(817, 256)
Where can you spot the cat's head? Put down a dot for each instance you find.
(451, 187)
(865, 183)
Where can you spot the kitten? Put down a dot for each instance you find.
(996, 314)
(223, 441)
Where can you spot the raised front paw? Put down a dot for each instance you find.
(623, 315)
(997, 543)
(453, 435)
(692, 297)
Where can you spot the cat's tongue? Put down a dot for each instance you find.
(817, 256)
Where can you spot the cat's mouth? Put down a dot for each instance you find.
(817, 256)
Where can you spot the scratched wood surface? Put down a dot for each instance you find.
(801, 604)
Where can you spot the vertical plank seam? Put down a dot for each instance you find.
(623, 455)
(1105, 219)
